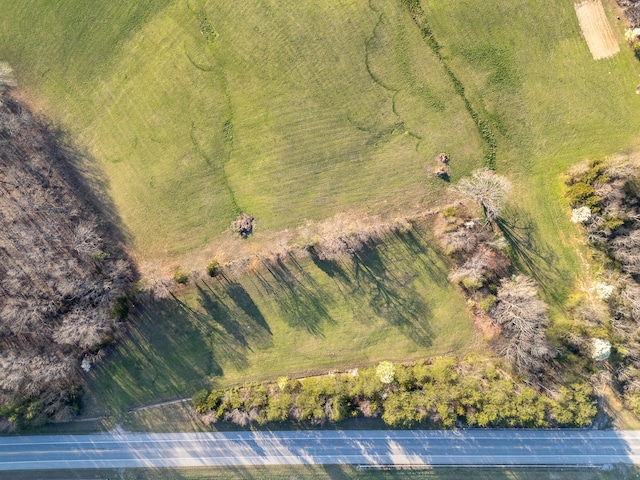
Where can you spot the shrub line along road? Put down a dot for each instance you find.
(359, 447)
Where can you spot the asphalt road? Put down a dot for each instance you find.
(472, 447)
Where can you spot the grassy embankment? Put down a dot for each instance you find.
(340, 472)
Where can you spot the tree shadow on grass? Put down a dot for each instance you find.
(239, 296)
(301, 300)
(430, 260)
(528, 252)
(391, 296)
(224, 344)
(163, 355)
(244, 323)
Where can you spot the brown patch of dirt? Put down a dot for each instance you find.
(596, 29)
(485, 326)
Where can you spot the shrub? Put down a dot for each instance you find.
(98, 256)
(404, 409)
(120, 308)
(243, 225)
(487, 303)
(199, 401)
(582, 193)
(181, 277)
(611, 223)
(471, 284)
(449, 212)
(213, 268)
(575, 405)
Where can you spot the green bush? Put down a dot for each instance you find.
(199, 401)
(98, 256)
(120, 307)
(611, 223)
(471, 284)
(487, 303)
(404, 409)
(575, 406)
(279, 407)
(213, 268)
(636, 49)
(582, 193)
(181, 277)
(449, 212)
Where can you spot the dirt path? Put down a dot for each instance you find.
(596, 29)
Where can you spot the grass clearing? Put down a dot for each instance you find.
(299, 317)
(266, 113)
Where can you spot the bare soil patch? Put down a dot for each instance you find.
(596, 29)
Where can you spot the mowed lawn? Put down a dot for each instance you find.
(298, 317)
(198, 110)
(527, 69)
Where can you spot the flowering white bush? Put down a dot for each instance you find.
(386, 372)
(632, 34)
(86, 364)
(603, 291)
(580, 214)
(601, 349)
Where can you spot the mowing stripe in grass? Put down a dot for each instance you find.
(484, 128)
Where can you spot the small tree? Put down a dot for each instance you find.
(181, 277)
(213, 268)
(486, 188)
(243, 225)
(523, 318)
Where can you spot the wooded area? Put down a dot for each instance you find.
(63, 273)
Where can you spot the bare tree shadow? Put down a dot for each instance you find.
(392, 297)
(528, 252)
(301, 300)
(165, 354)
(246, 329)
(82, 172)
(225, 343)
(432, 261)
(239, 296)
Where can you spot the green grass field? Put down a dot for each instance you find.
(271, 112)
(196, 110)
(299, 317)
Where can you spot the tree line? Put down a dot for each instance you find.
(443, 393)
(605, 197)
(64, 276)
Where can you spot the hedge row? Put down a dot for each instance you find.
(443, 394)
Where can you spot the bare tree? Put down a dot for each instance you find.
(522, 316)
(485, 265)
(487, 189)
(55, 300)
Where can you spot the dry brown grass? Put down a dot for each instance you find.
(596, 29)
